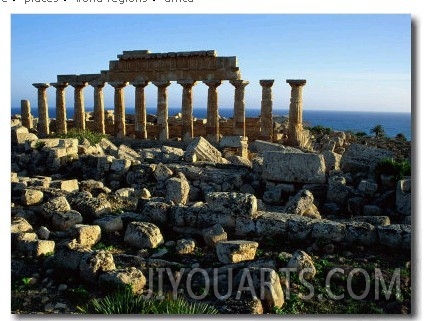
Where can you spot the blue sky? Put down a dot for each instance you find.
(350, 61)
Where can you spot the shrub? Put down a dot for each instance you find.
(401, 137)
(378, 131)
(81, 134)
(360, 134)
(319, 129)
(390, 166)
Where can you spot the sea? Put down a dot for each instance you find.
(357, 121)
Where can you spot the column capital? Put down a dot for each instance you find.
(41, 85)
(213, 83)
(97, 83)
(187, 82)
(296, 82)
(239, 83)
(78, 84)
(118, 84)
(266, 82)
(59, 85)
(162, 83)
(140, 83)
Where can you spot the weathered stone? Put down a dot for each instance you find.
(104, 163)
(360, 232)
(162, 172)
(395, 235)
(244, 226)
(70, 185)
(329, 230)
(87, 235)
(403, 197)
(239, 161)
(272, 196)
(361, 158)
(271, 224)
(125, 152)
(337, 191)
(24, 242)
(367, 187)
(294, 167)
(20, 225)
(299, 227)
(236, 251)
(214, 234)
(55, 205)
(43, 247)
(143, 235)
(177, 190)
(373, 220)
(68, 256)
(155, 212)
(31, 197)
(245, 304)
(372, 210)
(109, 223)
(261, 147)
(121, 165)
(201, 150)
(43, 233)
(302, 204)
(125, 192)
(332, 160)
(302, 262)
(87, 205)
(108, 147)
(94, 264)
(185, 246)
(234, 204)
(171, 154)
(62, 221)
(356, 205)
(121, 278)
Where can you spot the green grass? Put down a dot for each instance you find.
(80, 134)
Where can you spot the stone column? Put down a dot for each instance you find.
(27, 118)
(187, 109)
(212, 128)
(162, 110)
(239, 121)
(295, 126)
(266, 122)
(140, 109)
(43, 114)
(119, 108)
(99, 105)
(61, 110)
(79, 110)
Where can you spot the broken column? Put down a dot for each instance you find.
(187, 109)
(162, 110)
(239, 120)
(119, 108)
(79, 112)
(27, 118)
(295, 126)
(99, 105)
(140, 109)
(61, 111)
(43, 114)
(266, 122)
(212, 128)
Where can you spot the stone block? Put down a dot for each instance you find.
(329, 230)
(31, 197)
(270, 224)
(93, 264)
(143, 235)
(120, 278)
(302, 204)
(201, 150)
(234, 204)
(360, 233)
(261, 147)
(177, 190)
(395, 235)
(332, 160)
(109, 223)
(43, 247)
(236, 251)
(62, 221)
(403, 197)
(214, 234)
(87, 235)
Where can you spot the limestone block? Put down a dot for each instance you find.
(246, 304)
(171, 154)
(403, 197)
(232, 141)
(113, 280)
(236, 251)
(108, 147)
(87, 205)
(70, 185)
(188, 215)
(20, 225)
(395, 235)
(93, 264)
(299, 227)
(120, 165)
(43, 247)
(360, 233)
(372, 210)
(24, 242)
(337, 191)
(206, 217)
(162, 172)
(362, 158)
(23, 138)
(332, 160)
(265, 281)
(294, 167)
(239, 161)
(87, 235)
(329, 230)
(68, 256)
(261, 147)
(31, 197)
(201, 150)
(185, 246)
(373, 220)
(143, 235)
(177, 190)
(367, 187)
(303, 262)
(109, 223)
(155, 212)
(125, 152)
(104, 163)
(244, 226)
(125, 192)
(214, 234)
(272, 196)
(62, 221)
(302, 204)
(43, 233)
(271, 224)
(234, 204)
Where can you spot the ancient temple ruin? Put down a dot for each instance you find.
(139, 68)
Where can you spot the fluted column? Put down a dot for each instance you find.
(27, 118)
(119, 108)
(212, 128)
(140, 109)
(61, 110)
(239, 120)
(79, 110)
(266, 122)
(162, 110)
(43, 114)
(99, 105)
(295, 126)
(187, 109)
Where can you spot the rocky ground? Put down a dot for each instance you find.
(285, 231)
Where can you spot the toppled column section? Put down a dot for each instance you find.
(27, 118)
(201, 150)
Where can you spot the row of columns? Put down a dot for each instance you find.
(212, 126)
